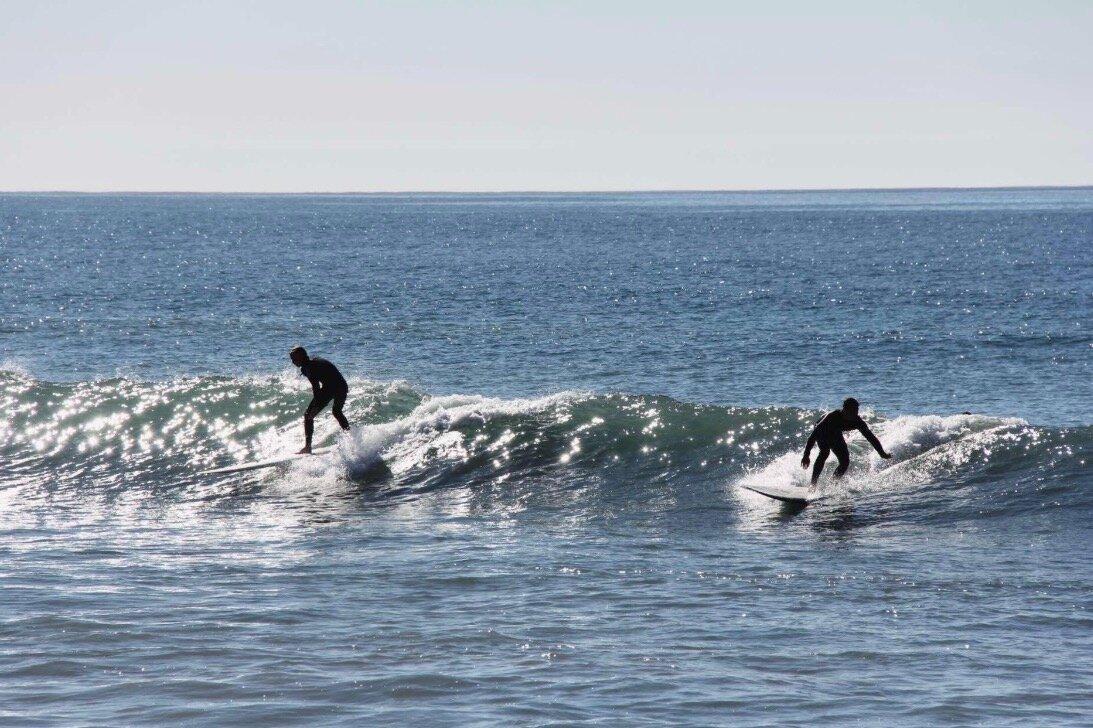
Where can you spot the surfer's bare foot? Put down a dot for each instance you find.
(304, 451)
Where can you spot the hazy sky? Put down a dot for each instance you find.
(308, 95)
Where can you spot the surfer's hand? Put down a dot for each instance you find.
(886, 455)
(805, 462)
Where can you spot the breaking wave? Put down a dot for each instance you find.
(605, 451)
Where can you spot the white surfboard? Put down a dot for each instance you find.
(271, 462)
(786, 493)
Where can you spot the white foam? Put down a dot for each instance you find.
(924, 447)
(428, 434)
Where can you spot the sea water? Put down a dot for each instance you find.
(538, 517)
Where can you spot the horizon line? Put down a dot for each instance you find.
(636, 191)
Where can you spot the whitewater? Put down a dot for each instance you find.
(539, 516)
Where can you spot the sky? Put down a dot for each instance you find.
(487, 96)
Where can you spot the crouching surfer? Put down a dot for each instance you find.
(828, 434)
(327, 385)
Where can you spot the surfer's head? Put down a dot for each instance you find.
(298, 356)
(850, 405)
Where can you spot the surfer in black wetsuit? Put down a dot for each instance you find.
(327, 385)
(828, 434)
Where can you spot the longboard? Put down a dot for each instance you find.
(259, 464)
(786, 493)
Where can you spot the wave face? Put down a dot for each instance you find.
(592, 453)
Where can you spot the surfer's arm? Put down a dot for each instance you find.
(809, 444)
(864, 429)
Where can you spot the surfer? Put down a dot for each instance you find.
(327, 384)
(828, 434)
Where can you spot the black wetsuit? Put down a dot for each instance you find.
(828, 434)
(327, 384)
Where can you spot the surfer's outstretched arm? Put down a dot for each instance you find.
(864, 429)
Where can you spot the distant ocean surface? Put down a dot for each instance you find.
(538, 517)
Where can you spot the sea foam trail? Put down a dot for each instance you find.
(120, 434)
(983, 465)
(930, 439)
(905, 437)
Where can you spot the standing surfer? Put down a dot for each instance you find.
(327, 384)
(828, 434)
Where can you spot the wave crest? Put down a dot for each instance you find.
(110, 433)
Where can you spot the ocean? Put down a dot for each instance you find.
(538, 517)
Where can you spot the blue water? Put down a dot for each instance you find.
(538, 518)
